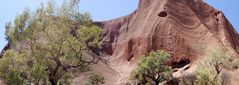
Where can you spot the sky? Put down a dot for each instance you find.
(102, 10)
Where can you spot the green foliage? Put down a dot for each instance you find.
(95, 79)
(85, 18)
(48, 46)
(8, 30)
(153, 68)
(10, 71)
(209, 68)
(188, 79)
(14, 32)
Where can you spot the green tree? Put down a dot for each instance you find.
(10, 72)
(95, 79)
(48, 46)
(8, 30)
(209, 68)
(152, 69)
(13, 32)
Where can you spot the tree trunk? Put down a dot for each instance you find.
(53, 82)
(157, 82)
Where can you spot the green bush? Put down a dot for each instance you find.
(209, 68)
(152, 69)
(95, 79)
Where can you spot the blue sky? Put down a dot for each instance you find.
(102, 10)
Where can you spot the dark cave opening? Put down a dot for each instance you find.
(163, 14)
(181, 63)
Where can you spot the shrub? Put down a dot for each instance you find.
(95, 79)
(152, 69)
(209, 68)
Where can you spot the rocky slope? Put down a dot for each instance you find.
(183, 28)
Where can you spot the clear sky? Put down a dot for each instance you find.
(103, 10)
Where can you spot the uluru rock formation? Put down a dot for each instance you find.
(183, 28)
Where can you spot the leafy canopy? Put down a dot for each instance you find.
(95, 79)
(152, 68)
(209, 68)
(50, 45)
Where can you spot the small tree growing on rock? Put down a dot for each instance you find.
(209, 68)
(152, 69)
(95, 79)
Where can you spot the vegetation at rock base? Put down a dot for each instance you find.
(95, 79)
(152, 69)
(209, 68)
(214, 62)
(49, 46)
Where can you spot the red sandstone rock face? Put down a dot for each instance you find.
(184, 28)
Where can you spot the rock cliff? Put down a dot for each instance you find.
(183, 28)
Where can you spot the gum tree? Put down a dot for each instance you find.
(210, 67)
(49, 45)
(153, 69)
